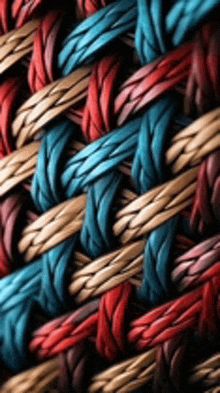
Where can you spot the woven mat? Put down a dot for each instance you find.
(109, 196)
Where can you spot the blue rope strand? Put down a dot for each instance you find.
(96, 235)
(95, 33)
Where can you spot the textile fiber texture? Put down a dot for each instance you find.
(109, 196)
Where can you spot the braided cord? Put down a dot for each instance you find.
(95, 33)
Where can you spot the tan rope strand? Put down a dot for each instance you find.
(207, 372)
(127, 376)
(108, 271)
(35, 380)
(195, 142)
(48, 103)
(16, 44)
(18, 167)
(52, 228)
(124, 377)
(57, 225)
(154, 208)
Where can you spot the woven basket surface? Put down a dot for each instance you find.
(109, 196)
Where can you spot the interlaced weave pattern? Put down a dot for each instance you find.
(109, 196)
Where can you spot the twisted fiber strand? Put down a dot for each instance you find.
(197, 265)
(96, 235)
(4, 16)
(113, 310)
(152, 81)
(52, 228)
(76, 368)
(90, 7)
(49, 102)
(155, 207)
(95, 33)
(52, 296)
(72, 370)
(16, 44)
(126, 376)
(62, 333)
(202, 85)
(44, 284)
(171, 367)
(156, 284)
(41, 68)
(60, 223)
(196, 141)
(17, 167)
(36, 380)
(162, 27)
(160, 250)
(185, 16)
(106, 326)
(207, 372)
(18, 291)
(206, 205)
(11, 209)
(150, 32)
(47, 188)
(147, 168)
(24, 10)
(97, 115)
(9, 91)
(197, 310)
(107, 153)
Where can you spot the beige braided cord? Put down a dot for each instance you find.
(108, 271)
(36, 380)
(134, 220)
(52, 228)
(207, 373)
(195, 142)
(157, 206)
(127, 376)
(18, 167)
(24, 161)
(48, 103)
(57, 225)
(16, 44)
(123, 377)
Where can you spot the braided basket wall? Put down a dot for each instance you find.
(109, 196)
